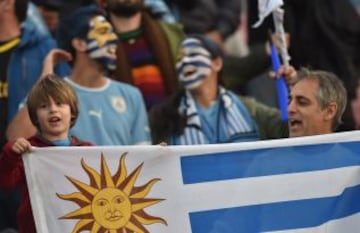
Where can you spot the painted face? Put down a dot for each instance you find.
(102, 42)
(193, 64)
(305, 114)
(54, 119)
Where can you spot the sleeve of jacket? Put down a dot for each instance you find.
(229, 16)
(267, 118)
(11, 168)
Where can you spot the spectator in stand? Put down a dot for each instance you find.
(204, 111)
(22, 50)
(53, 109)
(146, 53)
(219, 20)
(316, 104)
(111, 112)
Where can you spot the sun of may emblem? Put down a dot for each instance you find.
(111, 203)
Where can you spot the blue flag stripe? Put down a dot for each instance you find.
(277, 216)
(263, 162)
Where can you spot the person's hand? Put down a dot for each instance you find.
(21, 145)
(288, 72)
(53, 58)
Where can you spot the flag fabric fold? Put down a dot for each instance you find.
(266, 7)
(309, 184)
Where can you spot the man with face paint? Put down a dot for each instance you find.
(111, 112)
(146, 54)
(204, 112)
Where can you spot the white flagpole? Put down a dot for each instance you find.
(278, 16)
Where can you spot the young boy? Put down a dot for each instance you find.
(53, 109)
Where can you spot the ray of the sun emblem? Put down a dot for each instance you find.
(111, 203)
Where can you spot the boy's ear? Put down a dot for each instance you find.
(79, 44)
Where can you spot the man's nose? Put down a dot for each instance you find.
(291, 107)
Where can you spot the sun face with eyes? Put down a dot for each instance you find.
(111, 208)
(111, 203)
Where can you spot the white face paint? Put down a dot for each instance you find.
(102, 42)
(194, 63)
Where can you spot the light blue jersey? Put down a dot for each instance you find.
(111, 115)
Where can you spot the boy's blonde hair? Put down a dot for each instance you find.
(59, 90)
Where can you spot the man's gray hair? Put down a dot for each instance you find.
(330, 90)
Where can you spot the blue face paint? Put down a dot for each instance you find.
(102, 42)
(194, 63)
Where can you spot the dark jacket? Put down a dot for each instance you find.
(25, 64)
(12, 174)
(325, 35)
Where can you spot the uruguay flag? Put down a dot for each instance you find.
(308, 184)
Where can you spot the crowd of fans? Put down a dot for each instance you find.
(129, 72)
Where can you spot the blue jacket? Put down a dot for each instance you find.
(25, 64)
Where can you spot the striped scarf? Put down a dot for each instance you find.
(233, 117)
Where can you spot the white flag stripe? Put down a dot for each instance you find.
(29, 165)
(335, 226)
(284, 187)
